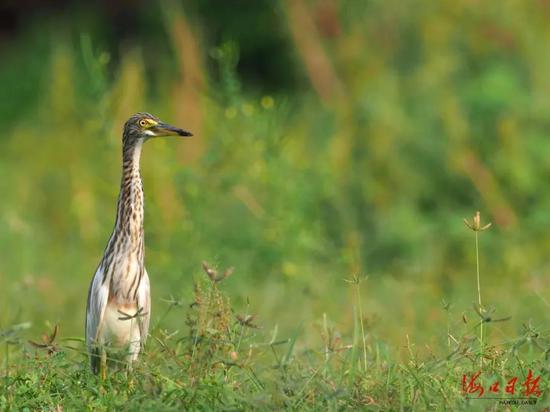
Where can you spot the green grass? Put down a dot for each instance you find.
(221, 359)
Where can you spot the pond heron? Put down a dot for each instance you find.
(119, 301)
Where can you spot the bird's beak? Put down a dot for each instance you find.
(164, 129)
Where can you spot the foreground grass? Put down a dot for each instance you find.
(223, 360)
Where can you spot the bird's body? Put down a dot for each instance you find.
(119, 302)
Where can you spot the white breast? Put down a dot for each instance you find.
(117, 330)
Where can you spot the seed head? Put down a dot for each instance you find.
(48, 342)
(213, 274)
(356, 279)
(475, 224)
(246, 320)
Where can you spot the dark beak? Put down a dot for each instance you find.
(164, 129)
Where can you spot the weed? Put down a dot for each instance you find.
(476, 227)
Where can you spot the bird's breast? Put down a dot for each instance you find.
(126, 277)
(120, 327)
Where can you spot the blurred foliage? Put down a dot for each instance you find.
(330, 138)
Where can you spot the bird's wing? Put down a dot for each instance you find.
(144, 303)
(98, 296)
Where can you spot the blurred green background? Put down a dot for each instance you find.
(331, 138)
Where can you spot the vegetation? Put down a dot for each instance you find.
(337, 189)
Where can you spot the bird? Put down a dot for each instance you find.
(118, 306)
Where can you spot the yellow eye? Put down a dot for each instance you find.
(142, 123)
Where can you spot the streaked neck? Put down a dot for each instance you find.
(128, 230)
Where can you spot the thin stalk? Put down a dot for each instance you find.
(327, 343)
(479, 299)
(448, 332)
(240, 339)
(7, 361)
(7, 373)
(243, 327)
(360, 306)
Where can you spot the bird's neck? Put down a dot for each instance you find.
(128, 233)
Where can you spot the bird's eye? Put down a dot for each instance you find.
(142, 123)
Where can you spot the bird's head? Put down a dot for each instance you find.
(145, 125)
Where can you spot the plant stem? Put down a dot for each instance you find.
(448, 332)
(358, 289)
(479, 298)
(242, 327)
(7, 361)
(6, 377)
(327, 343)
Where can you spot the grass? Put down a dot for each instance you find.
(221, 359)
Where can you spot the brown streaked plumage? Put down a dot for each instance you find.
(119, 304)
